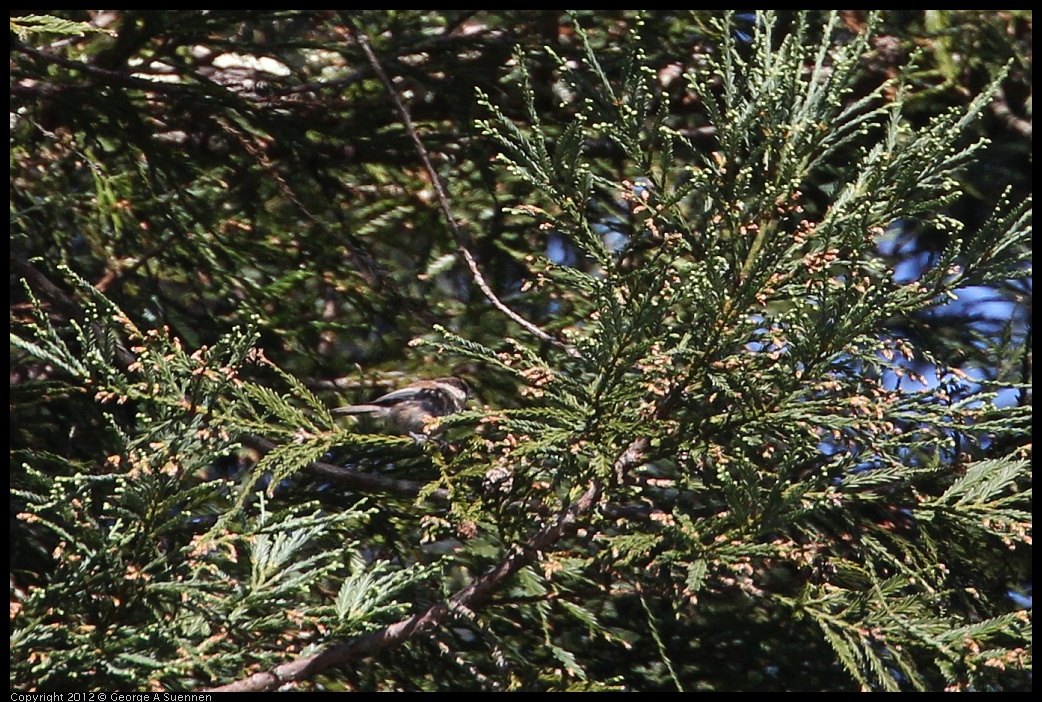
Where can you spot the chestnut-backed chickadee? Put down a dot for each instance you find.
(410, 409)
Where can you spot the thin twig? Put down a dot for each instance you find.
(1001, 109)
(118, 78)
(443, 200)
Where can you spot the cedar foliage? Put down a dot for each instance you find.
(719, 468)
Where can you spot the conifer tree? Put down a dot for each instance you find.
(721, 437)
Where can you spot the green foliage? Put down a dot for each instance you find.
(164, 596)
(27, 25)
(729, 472)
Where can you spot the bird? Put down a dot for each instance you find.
(409, 410)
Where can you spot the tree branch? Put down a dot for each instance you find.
(469, 598)
(1001, 109)
(443, 200)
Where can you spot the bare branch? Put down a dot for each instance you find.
(443, 200)
(1001, 109)
(469, 598)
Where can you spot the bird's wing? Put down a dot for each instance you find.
(406, 393)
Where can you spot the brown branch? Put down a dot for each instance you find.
(468, 599)
(443, 200)
(1001, 109)
(114, 77)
